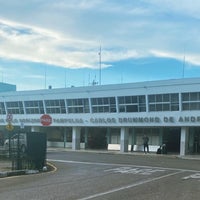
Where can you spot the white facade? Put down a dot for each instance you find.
(125, 111)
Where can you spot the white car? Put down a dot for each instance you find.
(14, 142)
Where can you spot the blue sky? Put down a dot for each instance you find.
(48, 42)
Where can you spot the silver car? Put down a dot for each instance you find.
(14, 142)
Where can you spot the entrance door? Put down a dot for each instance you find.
(97, 138)
(196, 147)
(171, 138)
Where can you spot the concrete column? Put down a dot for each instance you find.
(108, 135)
(65, 137)
(124, 139)
(184, 141)
(133, 139)
(76, 135)
(86, 137)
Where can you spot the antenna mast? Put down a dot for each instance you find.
(183, 65)
(65, 78)
(45, 77)
(100, 66)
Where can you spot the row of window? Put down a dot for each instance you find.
(164, 102)
(156, 102)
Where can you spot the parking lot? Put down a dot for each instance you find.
(168, 178)
(87, 175)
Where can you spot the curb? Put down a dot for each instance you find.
(17, 173)
(48, 168)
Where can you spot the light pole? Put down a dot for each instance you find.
(100, 65)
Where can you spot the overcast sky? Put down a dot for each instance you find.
(57, 42)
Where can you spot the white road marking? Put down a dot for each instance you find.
(129, 186)
(193, 176)
(149, 169)
(130, 170)
(111, 164)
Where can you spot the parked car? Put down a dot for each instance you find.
(14, 142)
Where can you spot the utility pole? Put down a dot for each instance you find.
(100, 66)
(183, 73)
(45, 77)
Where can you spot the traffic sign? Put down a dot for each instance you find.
(46, 120)
(9, 127)
(9, 117)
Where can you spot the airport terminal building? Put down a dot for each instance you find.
(113, 117)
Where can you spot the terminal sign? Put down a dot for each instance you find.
(46, 120)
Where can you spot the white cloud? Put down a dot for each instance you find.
(193, 59)
(35, 44)
(73, 30)
(29, 43)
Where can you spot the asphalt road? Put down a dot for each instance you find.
(86, 175)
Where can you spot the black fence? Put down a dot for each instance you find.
(27, 150)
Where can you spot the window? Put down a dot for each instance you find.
(34, 107)
(78, 105)
(190, 101)
(55, 106)
(2, 108)
(132, 103)
(163, 102)
(15, 107)
(103, 105)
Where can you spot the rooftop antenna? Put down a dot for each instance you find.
(65, 78)
(94, 82)
(100, 65)
(183, 73)
(45, 77)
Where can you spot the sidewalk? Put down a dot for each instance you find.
(6, 165)
(192, 157)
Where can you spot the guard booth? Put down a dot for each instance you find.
(30, 151)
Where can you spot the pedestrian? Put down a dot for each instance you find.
(146, 143)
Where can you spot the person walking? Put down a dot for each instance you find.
(146, 143)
